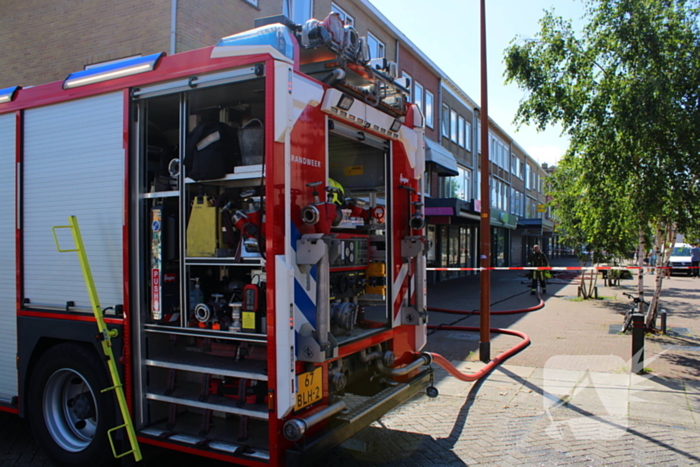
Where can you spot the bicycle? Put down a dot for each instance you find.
(628, 314)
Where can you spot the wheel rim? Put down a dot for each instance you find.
(70, 410)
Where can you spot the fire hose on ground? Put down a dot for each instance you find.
(294, 429)
(451, 369)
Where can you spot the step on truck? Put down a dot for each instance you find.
(252, 217)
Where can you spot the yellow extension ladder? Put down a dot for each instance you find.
(106, 336)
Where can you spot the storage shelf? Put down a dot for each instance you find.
(161, 194)
(187, 394)
(221, 437)
(197, 332)
(234, 179)
(223, 261)
(199, 362)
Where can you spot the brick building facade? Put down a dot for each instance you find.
(46, 41)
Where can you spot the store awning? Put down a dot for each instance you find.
(441, 157)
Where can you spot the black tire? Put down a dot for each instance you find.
(628, 321)
(68, 413)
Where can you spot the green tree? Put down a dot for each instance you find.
(626, 89)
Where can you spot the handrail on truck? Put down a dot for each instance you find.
(105, 335)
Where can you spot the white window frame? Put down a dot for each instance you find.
(347, 19)
(377, 43)
(289, 10)
(453, 125)
(429, 109)
(445, 117)
(460, 130)
(418, 96)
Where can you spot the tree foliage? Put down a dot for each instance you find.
(626, 89)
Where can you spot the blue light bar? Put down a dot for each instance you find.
(276, 35)
(106, 72)
(8, 94)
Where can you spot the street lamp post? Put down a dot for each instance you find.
(485, 221)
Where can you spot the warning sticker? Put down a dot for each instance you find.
(354, 170)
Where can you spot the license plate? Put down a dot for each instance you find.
(310, 388)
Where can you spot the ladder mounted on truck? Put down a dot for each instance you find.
(105, 336)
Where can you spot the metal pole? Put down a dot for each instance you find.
(485, 221)
(663, 321)
(638, 329)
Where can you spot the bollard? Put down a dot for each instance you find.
(663, 321)
(638, 329)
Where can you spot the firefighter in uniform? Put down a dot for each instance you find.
(538, 259)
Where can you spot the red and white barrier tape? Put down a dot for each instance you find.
(556, 268)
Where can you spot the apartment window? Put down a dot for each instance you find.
(409, 86)
(453, 126)
(376, 47)
(462, 183)
(467, 185)
(418, 96)
(527, 176)
(349, 20)
(467, 136)
(445, 121)
(478, 185)
(494, 193)
(478, 137)
(460, 128)
(298, 11)
(429, 110)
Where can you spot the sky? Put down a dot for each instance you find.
(449, 35)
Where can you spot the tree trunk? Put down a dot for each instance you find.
(663, 248)
(640, 276)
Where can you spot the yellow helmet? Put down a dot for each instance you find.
(338, 198)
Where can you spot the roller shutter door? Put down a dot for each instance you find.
(8, 291)
(74, 165)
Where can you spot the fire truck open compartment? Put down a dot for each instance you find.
(358, 161)
(204, 371)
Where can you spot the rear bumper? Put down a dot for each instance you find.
(347, 425)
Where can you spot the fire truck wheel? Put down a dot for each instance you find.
(68, 414)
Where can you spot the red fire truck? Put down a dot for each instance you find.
(252, 215)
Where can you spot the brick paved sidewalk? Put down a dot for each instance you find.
(555, 403)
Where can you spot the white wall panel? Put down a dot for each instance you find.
(8, 291)
(74, 165)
